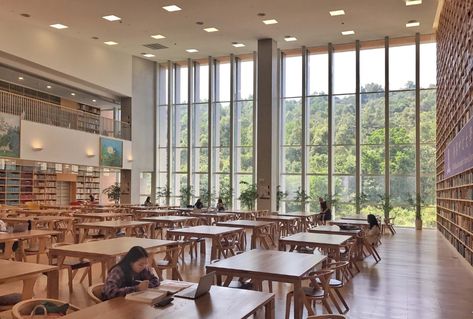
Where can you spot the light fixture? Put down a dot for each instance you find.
(270, 21)
(130, 158)
(335, 13)
(192, 50)
(349, 32)
(412, 23)
(111, 18)
(48, 86)
(289, 38)
(37, 146)
(172, 8)
(73, 94)
(238, 45)
(94, 101)
(110, 43)
(90, 153)
(413, 2)
(158, 36)
(21, 78)
(148, 55)
(58, 26)
(212, 29)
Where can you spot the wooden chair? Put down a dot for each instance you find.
(169, 262)
(7, 253)
(95, 292)
(327, 317)
(348, 253)
(229, 244)
(73, 265)
(37, 248)
(24, 308)
(389, 224)
(319, 290)
(240, 283)
(336, 284)
(371, 247)
(264, 235)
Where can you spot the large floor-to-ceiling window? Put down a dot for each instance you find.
(358, 128)
(205, 137)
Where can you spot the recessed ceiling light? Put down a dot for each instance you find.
(192, 50)
(48, 86)
(337, 13)
(59, 26)
(290, 38)
(110, 43)
(20, 78)
(412, 23)
(212, 29)
(270, 21)
(413, 2)
(94, 101)
(73, 94)
(158, 36)
(349, 32)
(172, 8)
(148, 55)
(111, 18)
(238, 45)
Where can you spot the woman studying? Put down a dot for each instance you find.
(131, 274)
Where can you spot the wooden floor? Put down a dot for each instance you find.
(420, 276)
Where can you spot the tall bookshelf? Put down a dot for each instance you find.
(454, 111)
(88, 182)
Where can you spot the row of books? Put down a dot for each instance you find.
(461, 234)
(465, 208)
(45, 184)
(459, 246)
(459, 180)
(460, 193)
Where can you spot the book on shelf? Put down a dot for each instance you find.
(149, 296)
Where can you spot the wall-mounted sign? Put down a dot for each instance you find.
(459, 152)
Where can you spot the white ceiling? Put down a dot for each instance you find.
(237, 20)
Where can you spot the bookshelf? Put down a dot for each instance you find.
(454, 112)
(88, 182)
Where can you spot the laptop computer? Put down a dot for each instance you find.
(194, 292)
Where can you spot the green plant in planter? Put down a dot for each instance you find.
(418, 203)
(113, 192)
(280, 195)
(302, 198)
(226, 194)
(385, 204)
(163, 193)
(248, 195)
(206, 196)
(360, 200)
(185, 195)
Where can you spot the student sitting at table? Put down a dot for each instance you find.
(220, 205)
(3, 229)
(148, 202)
(198, 204)
(131, 274)
(374, 230)
(326, 213)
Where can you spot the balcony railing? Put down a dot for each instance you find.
(51, 114)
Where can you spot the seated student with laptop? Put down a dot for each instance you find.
(131, 274)
(195, 291)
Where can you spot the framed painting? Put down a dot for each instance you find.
(9, 135)
(111, 152)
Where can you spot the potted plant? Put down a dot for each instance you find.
(418, 203)
(163, 193)
(226, 194)
(113, 192)
(185, 195)
(248, 195)
(385, 204)
(360, 200)
(302, 198)
(280, 195)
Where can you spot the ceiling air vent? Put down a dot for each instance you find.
(155, 46)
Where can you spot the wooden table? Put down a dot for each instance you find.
(347, 222)
(106, 251)
(103, 216)
(49, 222)
(243, 214)
(40, 235)
(110, 228)
(167, 222)
(333, 230)
(283, 223)
(28, 273)
(359, 217)
(324, 241)
(220, 302)
(183, 209)
(213, 232)
(213, 218)
(44, 212)
(259, 229)
(152, 212)
(307, 218)
(270, 265)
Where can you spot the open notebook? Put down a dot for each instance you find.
(173, 286)
(149, 296)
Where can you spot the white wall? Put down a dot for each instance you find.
(93, 63)
(62, 145)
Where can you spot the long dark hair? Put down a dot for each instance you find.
(372, 220)
(133, 255)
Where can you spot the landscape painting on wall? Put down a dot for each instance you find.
(9, 135)
(111, 152)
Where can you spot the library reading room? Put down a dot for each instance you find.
(309, 159)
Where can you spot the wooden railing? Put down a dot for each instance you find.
(51, 114)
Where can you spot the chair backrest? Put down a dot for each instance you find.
(172, 255)
(323, 281)
(25, 307)
(338, 265)
(95, 292)
(327, 317)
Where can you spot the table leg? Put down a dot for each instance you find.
(269, 309)
(213, 253)
(53, 284)
(337, 259)
(298, 299)
(254, 235)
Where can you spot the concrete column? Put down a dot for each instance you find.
(267, 123)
